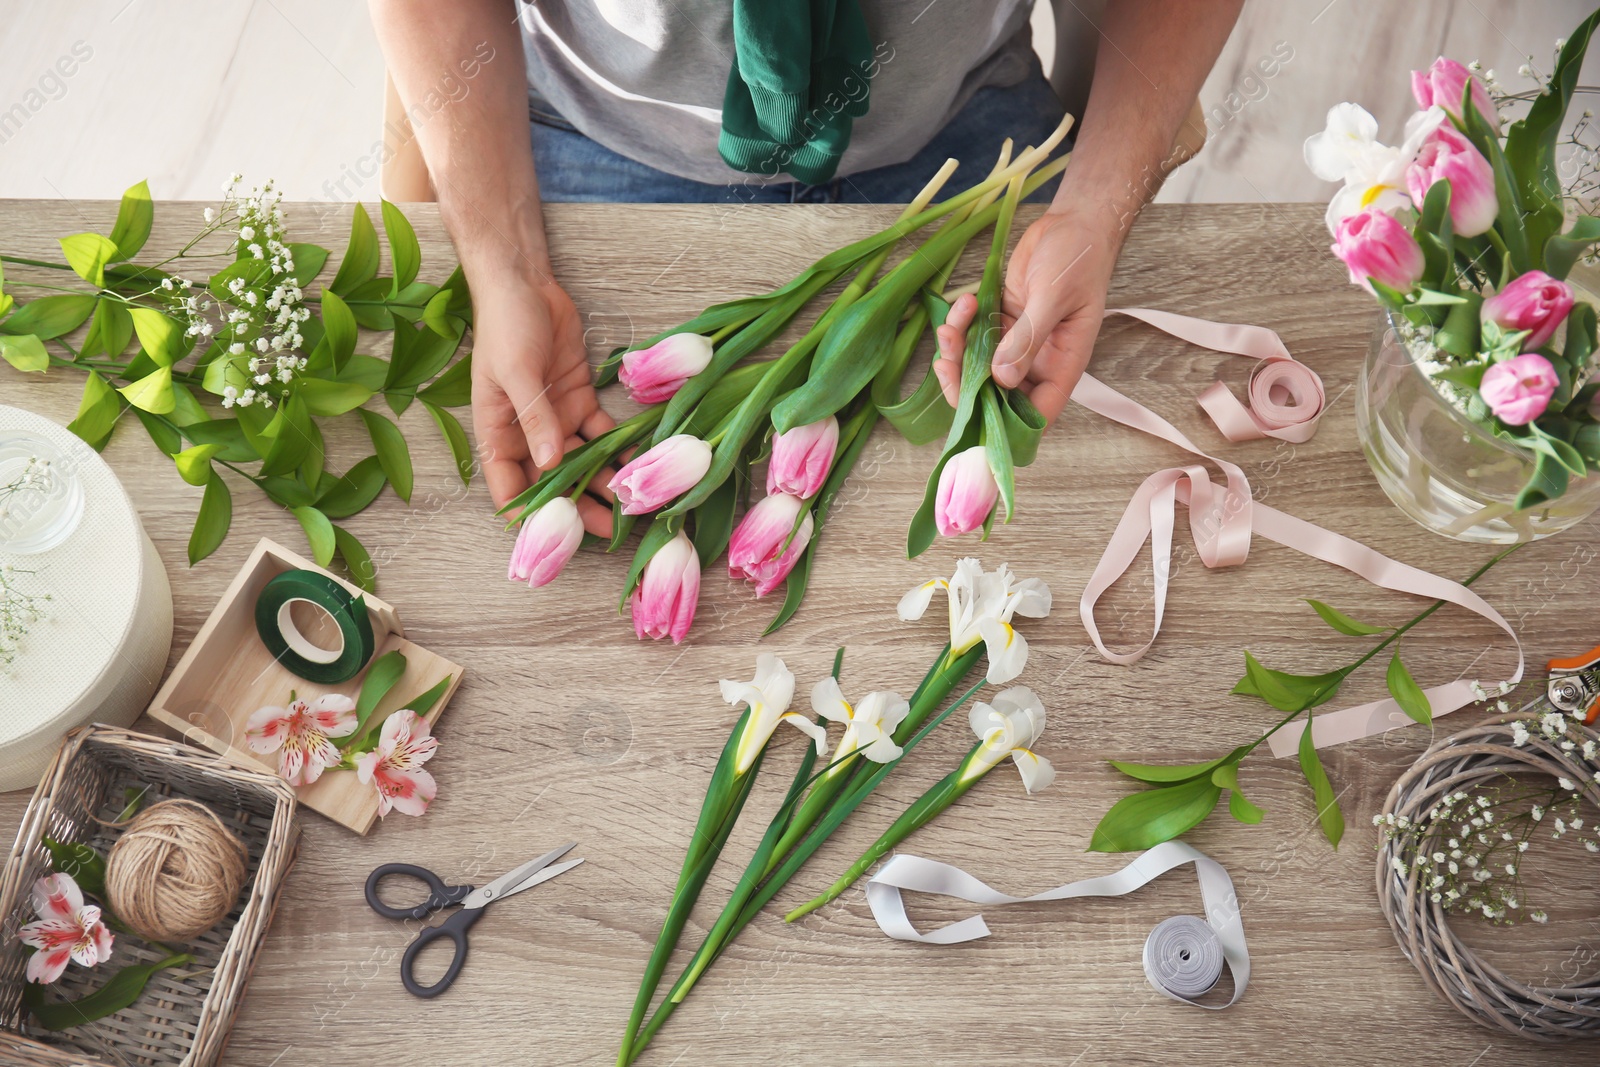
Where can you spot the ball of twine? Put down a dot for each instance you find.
(175, 871)
(1474, 987)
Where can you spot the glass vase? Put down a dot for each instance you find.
(1441, 468)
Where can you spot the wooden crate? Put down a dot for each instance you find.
(227, 673)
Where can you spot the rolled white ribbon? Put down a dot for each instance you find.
(1183, 956)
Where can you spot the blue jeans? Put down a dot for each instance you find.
(574, 168)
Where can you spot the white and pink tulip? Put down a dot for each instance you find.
(1519, 389)
(1448, 156)
(669, 589)
(967, 493)
(1444, 84)
(654, 374)
(67, 930)
(1534, 302)
(1376, 247)
(395, 768)
(802, 457)
(757, 551)
(665, 472)
(300, 735)
(548, 539)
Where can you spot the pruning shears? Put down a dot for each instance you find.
(1574, 684)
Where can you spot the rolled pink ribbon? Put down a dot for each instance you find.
(1223, 518)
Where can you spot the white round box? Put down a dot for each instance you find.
(98, 652)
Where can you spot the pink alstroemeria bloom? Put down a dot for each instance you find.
(1519, 389)
(548, 539)
(967, 493)
(669, 589)
(68, 929)
(757, 553)
(653, 374)
(1374, 245)
(1448, 156)
(1533, 301)
(802, 457)
(300, 733)
(1444, 83)
(395, 766)
(668, 470)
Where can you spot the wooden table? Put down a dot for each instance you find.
(567, 728)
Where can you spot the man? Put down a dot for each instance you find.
(635, 100)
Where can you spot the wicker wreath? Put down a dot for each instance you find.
(1477, 989)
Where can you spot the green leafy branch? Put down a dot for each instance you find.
(197, 349)
(1182, 796)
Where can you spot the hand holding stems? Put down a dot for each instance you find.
(1153, 57)
(532, 398)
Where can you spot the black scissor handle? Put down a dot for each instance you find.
(455, 928)
(439, 894)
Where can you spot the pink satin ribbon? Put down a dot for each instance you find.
(1286, 400)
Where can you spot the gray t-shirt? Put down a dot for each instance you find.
(645, 77)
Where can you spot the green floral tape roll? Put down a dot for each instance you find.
(275, 624)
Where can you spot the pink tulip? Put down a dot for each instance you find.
(668, 470)
(967, 493)
(653, 374)
(1448, 156)
(669, 589)
(1443, 84)
(395, 768)
(801, 458)
(1376, 246)
(1519, 389)
(548, 539)
(1533, 301)
(756, 551)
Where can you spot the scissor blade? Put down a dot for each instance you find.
(543, 876)
(497, 888)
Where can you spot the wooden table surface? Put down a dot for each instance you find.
(568, 729)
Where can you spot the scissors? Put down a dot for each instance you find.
(473, 901)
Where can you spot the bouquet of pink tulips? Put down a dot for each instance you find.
(1461, 233)
(686, 460)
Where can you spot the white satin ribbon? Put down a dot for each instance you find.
(1286, 401)
(1183, 956)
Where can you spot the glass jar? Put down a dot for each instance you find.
(1447, 472)
(41, 498)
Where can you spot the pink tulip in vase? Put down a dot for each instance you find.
(1478, 406)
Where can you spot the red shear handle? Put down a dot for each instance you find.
(1575, 663)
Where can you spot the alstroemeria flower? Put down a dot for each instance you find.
(982, 605)
(669, 589)
(68, 929)
(869, 725)
(653, 374)
(1373, 173)
(1010, 725)
(548, 539)
(802, 457)
(967, 493)
(300, 733)
(668, 470)
(395, 766)
(757, 552)
(768, 695)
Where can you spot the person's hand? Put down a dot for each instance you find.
(1051, 306)
(532, 394)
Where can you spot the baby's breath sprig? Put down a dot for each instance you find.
(1467, 852)
(34, 480)
(19, 609)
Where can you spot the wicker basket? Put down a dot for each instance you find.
(185, 1013)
